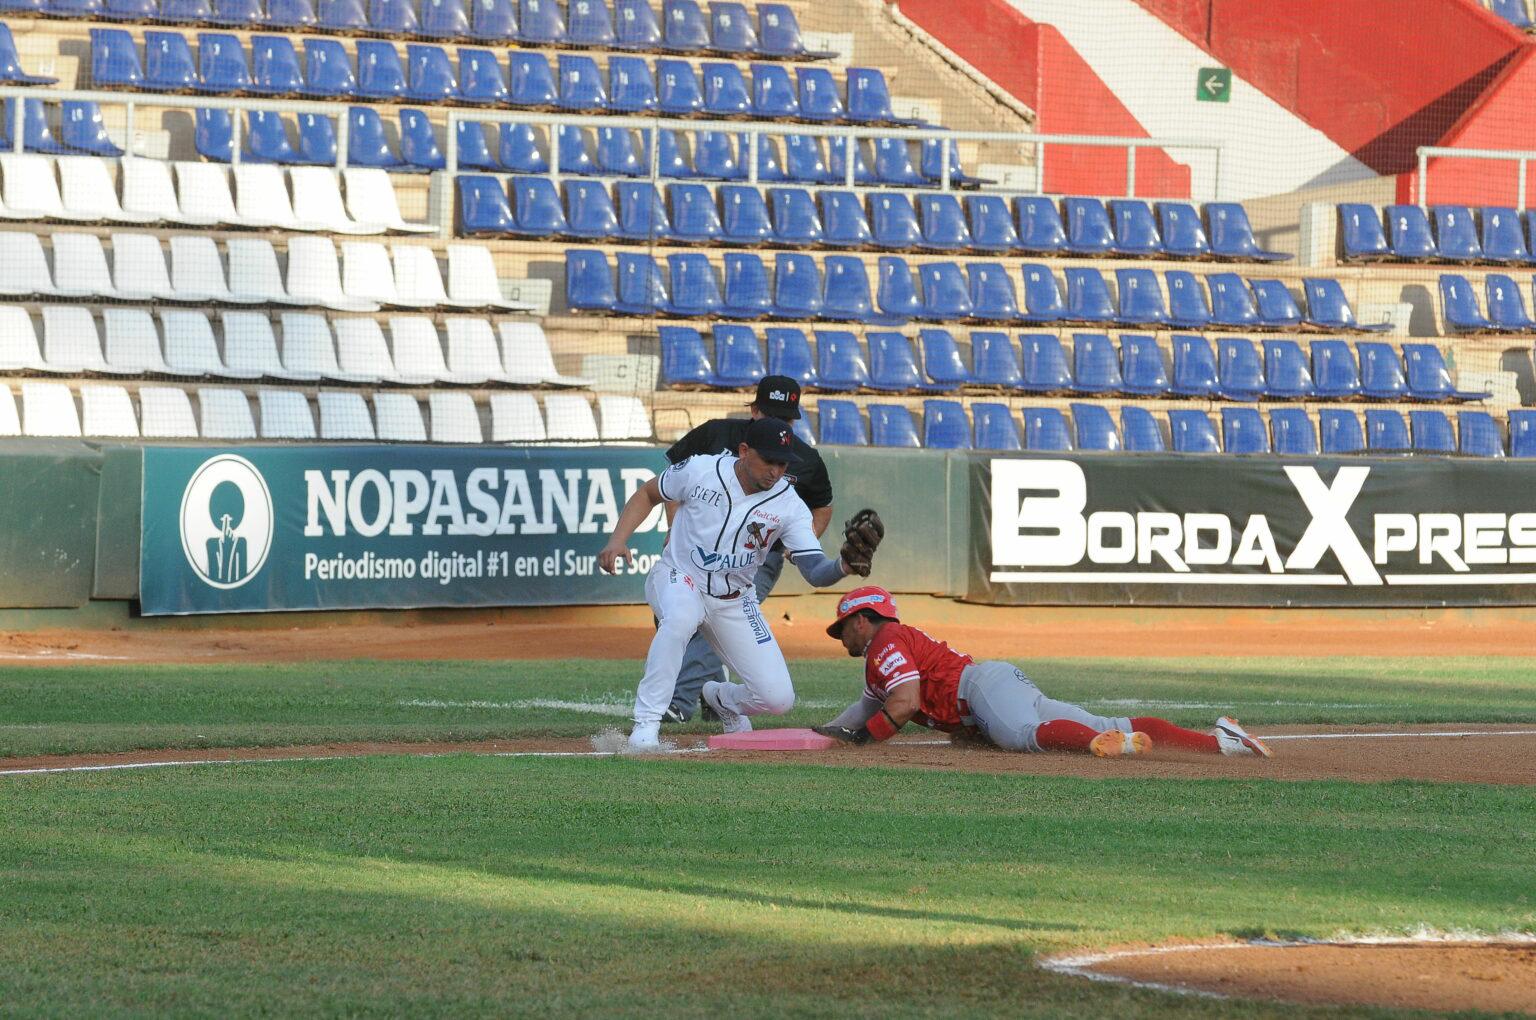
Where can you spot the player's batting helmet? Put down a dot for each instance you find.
(870, 597)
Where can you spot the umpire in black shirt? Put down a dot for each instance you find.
(778, 396)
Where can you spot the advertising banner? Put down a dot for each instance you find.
(255, 529)
(1070, 529)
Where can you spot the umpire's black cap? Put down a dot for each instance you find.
(778, 396)
(772, 439)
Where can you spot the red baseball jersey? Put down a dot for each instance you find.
(899, 655)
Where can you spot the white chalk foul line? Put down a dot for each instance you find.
(1384, 736)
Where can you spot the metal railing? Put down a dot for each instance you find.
(1520, 158)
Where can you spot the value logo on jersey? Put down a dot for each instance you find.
(711, 562)
(226, 521)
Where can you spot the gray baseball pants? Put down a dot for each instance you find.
(701, 663)
(1008, 708)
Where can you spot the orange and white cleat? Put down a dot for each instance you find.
(1234, 740)
(1113, 744)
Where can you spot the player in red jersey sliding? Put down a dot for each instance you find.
(911, 677)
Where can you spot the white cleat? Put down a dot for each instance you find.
(731, 722)
(646, 736)
(1234, 740)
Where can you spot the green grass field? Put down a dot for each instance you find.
(459, 885)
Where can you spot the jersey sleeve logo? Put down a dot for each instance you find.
(891, 663)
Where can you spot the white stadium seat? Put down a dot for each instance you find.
(10, 421)
(23, 266)
(314, 276)
(133, 343)
(71, 343)
(149, 191)
(515, 418)
(204, 196)
(371, 198)
(398, 418)
(107, 411)
(80, 267)
(526, 355)
(454, 418)
(197, 272)
(317, 199)
(86, 187)
(419, 280)
(362, 352)
(344, 415)
(30, 189)
(190, 348)
(418, 350)
(472, 351)
(472, 279)
(250, 347)
(226, 414)
(138, 268)
(261, 198)
(310, 350)
(285, 414)
(48, 409)
(366, 274)
(568, 418)
(254, 277)
(18, 342)
(165, 412)
(622, 417)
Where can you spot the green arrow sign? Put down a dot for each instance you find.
(1213, 85)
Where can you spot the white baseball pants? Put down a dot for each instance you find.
(735, 628)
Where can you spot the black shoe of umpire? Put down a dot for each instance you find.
(676, 714)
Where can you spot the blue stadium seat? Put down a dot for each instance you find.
(642, 286)
(1094, 428)
(894, 221)
(237, 13)
(695, 219)
(997, 360)
(74, 8)
(1479, 434)
(1194, 366)
(1192, 432)
(418, 145)
(1381, 372)
(778, 34)
(1187, 305)
(380, 75)
(841, 423)
(945, 426)
(430, 74)
(992, 224)
(1142, 370)
(1360, 232)
(1239, 369)
(745, 215)
(480, 77)
(1334, 370)
(1522, 433)
(393, 17)
(996, 428)
(440, 19)
(1512, 11)
(295, 14)
(1432, 431)
(221, 63)
(1095, 364)
(1135, 227)
(520, 148)
(738, 358)
(1277, 309)
(1183, 234)
(588, 281)
(846, 296)
(317, 142)
(130, 10)
(1286, 373)
(631, 88)
(1329, 308)
(1504, 236)
(1140, 431)
(992, 295)
(540, 22)
(714, 156)
(844, 224)
(1231, 301)
(532, 82)
(114, 60)
(635, 25)
(589, 210)
(1045, 428)
(837, 162)
(573, 146)
(618, 155)
(1040, 228)
(802, 428)
(1089, 231)
(327, 70)
(536, 208)
(946, 295)
(82, 128)
(730, 29)
(893, 164)
(1045, 368)
(943, 223)
(684, 29)
(672, 162)
(725, 91)
(483, 206)
(869, 100)
(328, 15)
(684, 361)
(213, 133)
(747, 293)
(1042, 298)
(805, 162)
(942, 363)
(797, 292)
(769, 169)
(1430, 379)
(1340, 431)
(1232, 235)
(892, 425)
(1141, 297)
(1293, 431)
(493, 21)
(840, 363)
(1456, 234)
(896, 293)
(1243, 431)
(893, 364)
(931, 165)
(1459, 303)
(789, 353)
(1506, 305)
(695, 291)
(773, 92)
(820, 99)
(1408, 229)
(795, 219)
(1088, 297)
(589, 23)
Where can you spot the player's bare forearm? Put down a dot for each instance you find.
(635, 511)
(902, 703)
(820, 518)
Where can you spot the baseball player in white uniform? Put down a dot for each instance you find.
(731, 509)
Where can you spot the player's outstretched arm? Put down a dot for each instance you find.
(818, 569)
(858, 713)
(635, 511)
(899, 708)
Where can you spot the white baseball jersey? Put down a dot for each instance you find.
(721, 534)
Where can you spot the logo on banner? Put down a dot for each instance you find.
(226, 521)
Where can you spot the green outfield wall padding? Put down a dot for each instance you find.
(48, 510)
(117, 526)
